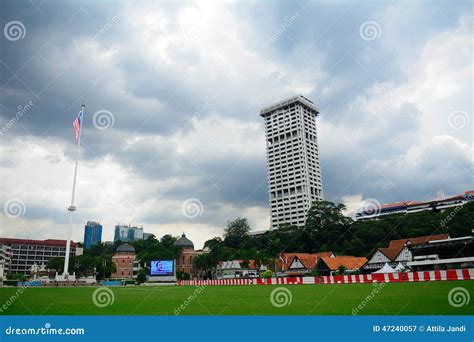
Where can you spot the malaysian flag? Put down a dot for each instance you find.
(77, 126)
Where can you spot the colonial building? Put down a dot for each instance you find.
(442, 254)
(398, 251)
(299, 263)
(330, 265)
(186, 260)
(124, 260)
(233, 269)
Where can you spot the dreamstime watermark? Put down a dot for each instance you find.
(106, 27)
(287, 22)
(46, 330)
(451, 215)
(281, 297)
(370, 207)
(14, 297)
(458, 119)
(375, 291)
(189, 300)
(192, 208)
(370, 30)
(21, 110)
(14, 30)
(103, 119)
(14, 208)
(459, 296)
(102, 297)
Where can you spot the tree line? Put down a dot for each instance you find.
(326, 229)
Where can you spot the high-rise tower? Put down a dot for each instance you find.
(92, 234)
(294, 173)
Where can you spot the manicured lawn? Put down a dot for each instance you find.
(392, 299)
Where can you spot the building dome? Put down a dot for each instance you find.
(184, 242)
(125, 248)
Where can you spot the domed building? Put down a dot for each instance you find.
(124, 261)
(185, 261)
(184, 242)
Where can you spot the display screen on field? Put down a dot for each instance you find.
(162, 268)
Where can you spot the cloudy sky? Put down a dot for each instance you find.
(172, 136)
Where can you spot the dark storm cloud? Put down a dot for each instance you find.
(91, 53)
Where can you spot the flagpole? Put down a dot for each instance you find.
(72, 207)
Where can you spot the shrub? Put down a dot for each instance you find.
(16, 276)
(10, 282)
(267, 274)
(141, 277)
(341, 270)
(182, 275)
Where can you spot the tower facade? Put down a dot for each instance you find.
(128, 233)
(293, 169)
(92, 234)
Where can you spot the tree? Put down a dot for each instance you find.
(341, 270)
(100, 249)
(204, 265)
(236, 234)
(182, 275)
(56, 263)
(141, 276)
(153, 249)
(327, 226)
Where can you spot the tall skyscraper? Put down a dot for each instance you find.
(128, 233)
(92, 234)
(294, 173)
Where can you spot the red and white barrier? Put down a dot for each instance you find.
(464, 274)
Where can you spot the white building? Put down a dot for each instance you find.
(294, 173)
(26, 253)
(399, 252)
(233, 269)
(5, 255)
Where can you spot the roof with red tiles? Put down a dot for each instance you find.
(47, 242)
(396, 246)
(309, 260)
(349, 262)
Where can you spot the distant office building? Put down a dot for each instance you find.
(92, 234)
(128, 233)
(26, 253)
(413, 207)
(294, 174)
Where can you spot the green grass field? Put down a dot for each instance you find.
(392, 299)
